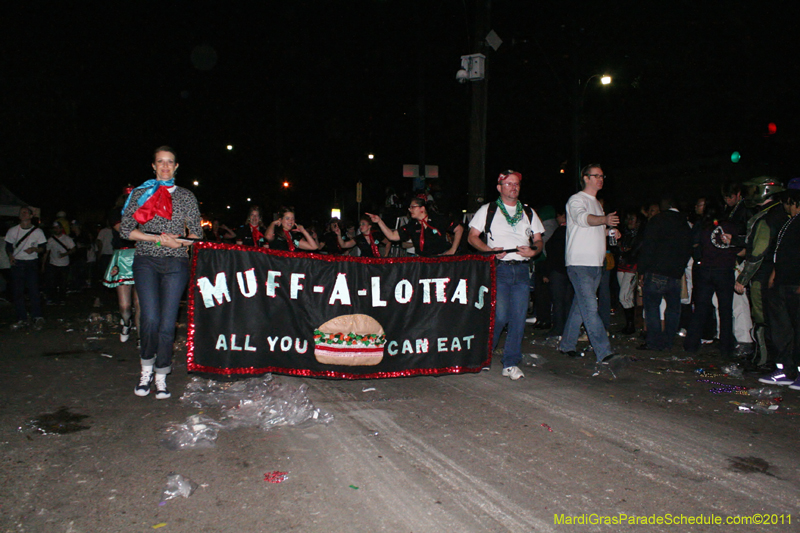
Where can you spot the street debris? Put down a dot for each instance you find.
(199, 431)
(276, 476)
(255, 402)
(177, 485)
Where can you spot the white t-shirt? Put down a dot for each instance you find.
(586, 245)
(34, 238)
(507, 236)
(105, 236)
(58, 255)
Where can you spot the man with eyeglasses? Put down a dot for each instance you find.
(586, 249)
(514, 231)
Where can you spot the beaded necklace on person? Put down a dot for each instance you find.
(780, 237)
(512, 221)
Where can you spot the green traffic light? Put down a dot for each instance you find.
(735, 157)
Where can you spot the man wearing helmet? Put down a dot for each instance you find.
(762, 232)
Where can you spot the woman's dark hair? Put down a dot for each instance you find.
(711, 213)
(164, 148)
(422, 201)
(285, 209)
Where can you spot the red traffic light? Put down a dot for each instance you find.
(771, 128)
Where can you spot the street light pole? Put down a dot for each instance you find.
(578, 98)
(477, 128)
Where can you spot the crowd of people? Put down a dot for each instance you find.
(725, 272)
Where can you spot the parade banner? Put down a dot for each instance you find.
(253, 311)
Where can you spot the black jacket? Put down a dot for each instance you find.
(667, 245)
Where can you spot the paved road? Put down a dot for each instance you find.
(455, 453)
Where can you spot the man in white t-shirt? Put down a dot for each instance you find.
(24, 243)
(585, 252)
(516, 234)
(59, 247)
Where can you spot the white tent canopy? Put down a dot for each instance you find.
(10, 204)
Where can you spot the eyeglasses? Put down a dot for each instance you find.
(601, 176)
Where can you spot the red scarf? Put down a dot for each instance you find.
(159, 204)
(257, 235)
(289, 240)
(372, 244)
(424, 224)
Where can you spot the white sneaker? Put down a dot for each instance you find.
(145, 380)
(126, 331)
(513, 372)
(531, 320)
(161, 387)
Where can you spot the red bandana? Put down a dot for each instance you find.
(424, 224)
(257, 235)
(160, 204)
(372, 244)
(289, 240)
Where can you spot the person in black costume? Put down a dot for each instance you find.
(427, 230)
(283, 234)
(252, 233)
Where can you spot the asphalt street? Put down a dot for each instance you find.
(472, 452)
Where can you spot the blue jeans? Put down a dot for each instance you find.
(656, 287)
(25, 273)
(585, 280)
(511, 307)
(160, 282)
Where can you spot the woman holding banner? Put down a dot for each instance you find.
(284, 234)
(157, 215)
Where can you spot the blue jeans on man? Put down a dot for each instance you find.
(25, 273)
(656, 287)
(511, 307)
(160, 282)
(585, 280)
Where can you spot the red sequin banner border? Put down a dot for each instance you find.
(332, 258)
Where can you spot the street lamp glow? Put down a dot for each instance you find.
(371, 156)
(196, 183)
(248, 199)
(336, 213)
(285, 184)
(605, 80)
(229, 147)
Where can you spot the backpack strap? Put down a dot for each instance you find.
(487, 230)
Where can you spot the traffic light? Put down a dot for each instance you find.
(735, 157)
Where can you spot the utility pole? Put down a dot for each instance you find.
(477, 128)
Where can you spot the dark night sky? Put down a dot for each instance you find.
(305, 89)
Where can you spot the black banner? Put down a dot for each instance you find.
(253, 311)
